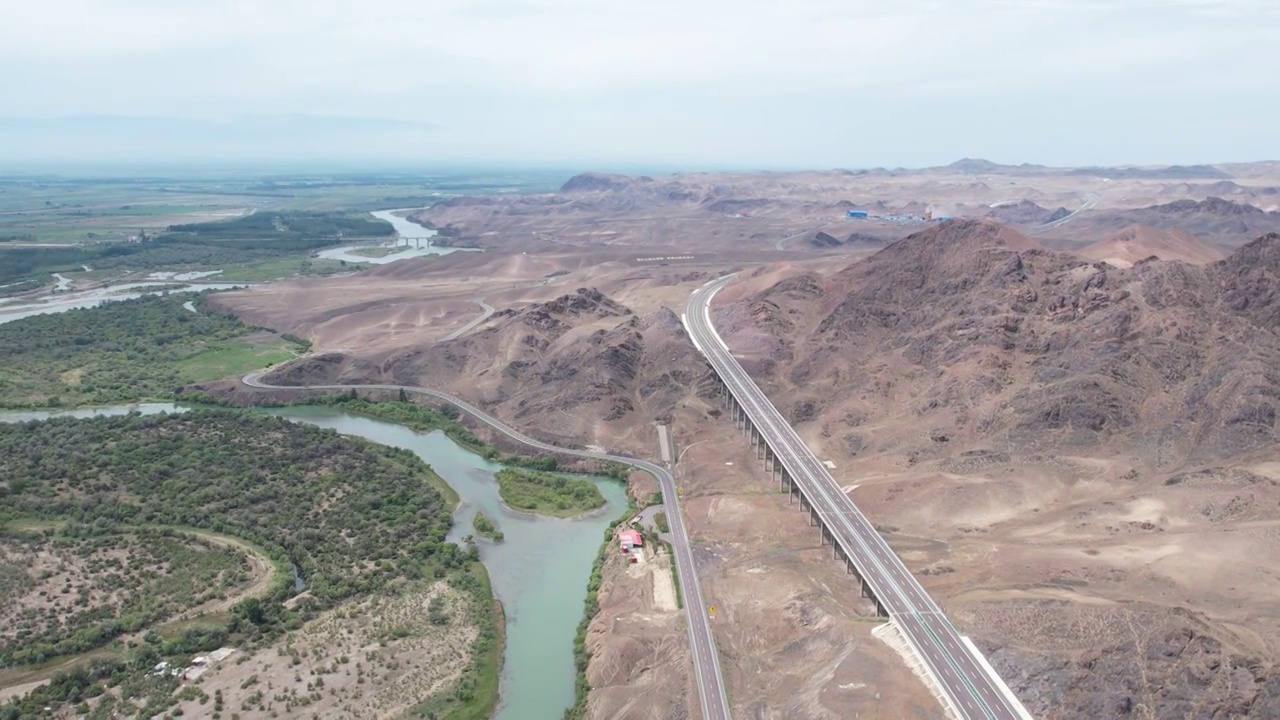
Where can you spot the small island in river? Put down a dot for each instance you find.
(485, 528)
(547, 493)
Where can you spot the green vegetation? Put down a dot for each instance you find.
(425, 418)
(102, 213)
(350, 515)
(660, 519)
(419, 418)
(265, 270)
(547, 494)
(675, 572)
(376, 251)
(92, 680)
(485, 528)
(251, 239)
(591, 606)
(475, 695)
(68, 592)
(283, 230)
(224, 359)
(124, 352)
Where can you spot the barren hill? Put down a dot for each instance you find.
(1214, 219)
(1099, 436)
(972, 327)
(1138, 243)
(579, 367)
(1025, 212)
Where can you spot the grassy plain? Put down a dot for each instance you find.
(284, 267)
(125, 352)
(69, 209)
(223, 359)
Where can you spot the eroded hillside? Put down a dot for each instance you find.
(1092, 444)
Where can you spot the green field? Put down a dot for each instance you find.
(282, 268)
(233, 357)
(546, 493)
(54, 208)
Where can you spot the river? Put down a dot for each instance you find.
(63, 301)
(539, 573)
(65, 297)
(409, 235)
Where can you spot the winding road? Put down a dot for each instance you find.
(485, 311)
(702, 644)
(970, 691)
(1090, 201)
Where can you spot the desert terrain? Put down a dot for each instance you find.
(635, 639)
(1064, 423)
(372, 658)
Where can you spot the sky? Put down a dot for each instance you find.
(598, 83)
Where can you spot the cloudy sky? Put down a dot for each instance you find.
(746, 83)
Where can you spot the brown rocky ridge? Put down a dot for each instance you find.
(1215, 219)
(1094, 446)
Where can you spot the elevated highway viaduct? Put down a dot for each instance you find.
(953, 668)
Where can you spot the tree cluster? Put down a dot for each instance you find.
(349, 515)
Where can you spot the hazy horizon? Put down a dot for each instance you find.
(664, 84)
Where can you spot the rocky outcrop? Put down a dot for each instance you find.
(1004, 342)
(570, 368)
(596, 182)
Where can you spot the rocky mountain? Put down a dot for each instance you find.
(577, 364)
(1090, 422)
(978, 166)
(1025, 212)
(596, 182)
(970, 326)
(1138, 243)
(1170, 172)
(1215, 219)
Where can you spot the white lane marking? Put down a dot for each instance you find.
(911, 590)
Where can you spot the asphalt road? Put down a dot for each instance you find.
(485, 311)
(1090, 201)
(971, 691)
(702, 644)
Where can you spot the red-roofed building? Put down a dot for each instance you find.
(630, 539)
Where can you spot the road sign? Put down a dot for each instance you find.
(679, 491)
(711, 609)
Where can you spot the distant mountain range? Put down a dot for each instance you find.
(978, 166)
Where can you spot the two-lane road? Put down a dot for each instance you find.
(702, 644)
(970, 691)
